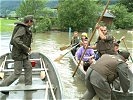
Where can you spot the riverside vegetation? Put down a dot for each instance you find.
(6, 25)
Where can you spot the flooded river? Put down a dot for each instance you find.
(49, 44)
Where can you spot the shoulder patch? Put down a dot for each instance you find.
(119, 60)
(112, 56)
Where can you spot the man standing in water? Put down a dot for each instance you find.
(21, 41)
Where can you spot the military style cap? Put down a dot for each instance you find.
(125, 54)
(116, 44)
(28, 17)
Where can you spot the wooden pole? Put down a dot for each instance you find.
(64, 47)
(91, 37)
(2, 68)
(42, 73)
(61, 56)
(127, 49)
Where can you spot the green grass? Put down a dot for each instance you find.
(6, 25)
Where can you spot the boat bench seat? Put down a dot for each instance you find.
(11, 60)
(34, 70)
(23, 87)
(11, 66)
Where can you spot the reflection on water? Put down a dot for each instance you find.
(49, 44)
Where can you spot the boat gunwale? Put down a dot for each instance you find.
(54, 72)
(80, 71)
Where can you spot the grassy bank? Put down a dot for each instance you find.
(6, 25)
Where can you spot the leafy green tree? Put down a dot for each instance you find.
(77, 14)
(40, 12)
(128, 4)
(123, 18)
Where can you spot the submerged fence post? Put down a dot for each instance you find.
(89, 31)
(70, 31)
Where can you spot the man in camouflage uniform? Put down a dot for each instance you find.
(100, 75)
(21, 41)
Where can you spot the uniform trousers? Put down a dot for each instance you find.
(96, 85)
(18, 66)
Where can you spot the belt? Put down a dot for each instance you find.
(86, 61)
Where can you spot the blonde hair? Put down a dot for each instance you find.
(84, 34)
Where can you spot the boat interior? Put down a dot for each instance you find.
(41, 84)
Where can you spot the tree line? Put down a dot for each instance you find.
(77, 14)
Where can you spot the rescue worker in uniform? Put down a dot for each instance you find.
(100, 75)
(21, 41)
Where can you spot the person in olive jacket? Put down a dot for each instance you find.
(100, 75)
(21, 42)
(104, 43)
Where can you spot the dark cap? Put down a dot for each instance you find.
(28, 17)
(116, 44)
(125, 54)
